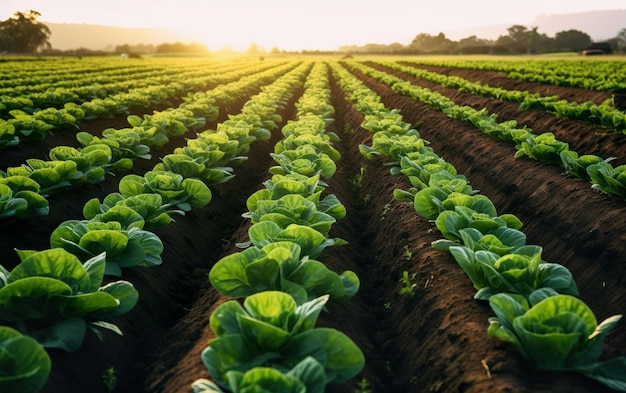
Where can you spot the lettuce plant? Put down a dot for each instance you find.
(305, 161)
(576, 166)
(292, 209)
(176, 191)
(311, 242)
(50, 175)
(501, 241)
(7, 134)
(522, 272)
(25, 364)
(480, 216)
(92, 162)
(281, 185)
(608, 179)
(558, 333)
(307, 376)
(394, 146)
(124, 247)
(198, 167)
(19, 197)
(319, 142)
(280, 266)
(126, 145)
(149, 206)
(271, 330)
(543, 147)
(52, 297)
(310, 188)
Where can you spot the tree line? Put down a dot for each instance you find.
(23, 33)
(519, 40)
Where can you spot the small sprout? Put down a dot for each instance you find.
(407, 253)
(387, 305)
(408, 287)
(363, 387)
(388, 366)
(357, 180)
(109, 379)
(385, 211)
(366, 199)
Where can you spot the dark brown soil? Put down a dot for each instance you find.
(435, 341)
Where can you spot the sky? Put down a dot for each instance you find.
(301, 24)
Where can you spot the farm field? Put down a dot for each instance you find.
(433, 339)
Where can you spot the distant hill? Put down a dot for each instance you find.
(66, 36)
(600, 25)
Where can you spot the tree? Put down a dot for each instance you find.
(620, 40)
(426, 43)
(572, 40)
(22, 33)
(473, 44)
(523, 40)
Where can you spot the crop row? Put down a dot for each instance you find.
(271, 343)
(536, 305)
(23, 189)
(604, 114)
(80, 88)
(606, 75)
(53, 296)
(24, 125)
(542, 147)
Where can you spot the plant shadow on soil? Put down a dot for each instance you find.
(433, 341)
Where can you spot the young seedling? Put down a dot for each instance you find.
(408, 287)
(385, 211)
(407, 253)
(363, 387)
(357, 180)
(109, 379)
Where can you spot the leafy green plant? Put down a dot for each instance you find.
(181, 193)
(53, 297)
(576, 166)
(19, 197)
(608, 179)
(25, 364)
(310, 188)
(271, 330)
(306, 376)
(311, 242)
(292, 209)
(521, 273)
(149, 206)
(501, 240)
(407, 253)
(109, 379)
(543, 147)
(363, 386)
(557, 332)
(280, 266)
(408, 287)
(480, 216)
(124, 248)
(92, 162)
(304, 160)
(50, 175)
(357, 180)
